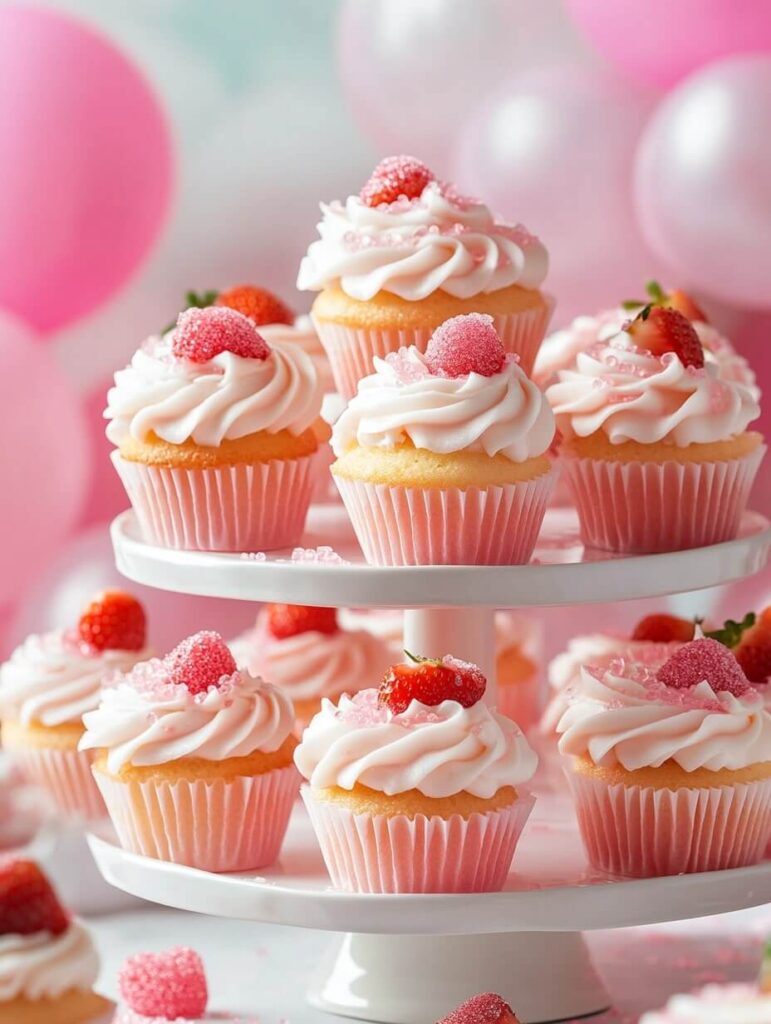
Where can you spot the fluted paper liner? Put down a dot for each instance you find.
(644, 831)
(496, 525)
(65, 775)
(215, 825)
(396, 854)
(352, 349)
(247, 507)
(644, 507)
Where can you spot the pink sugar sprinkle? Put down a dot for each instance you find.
(364, 709)
(406, 369)
(321, 555)
(394, 178)
(169, 985)
(450, 192)
(202, 334)
(703, 660)
(719, 398)
(486, 1008)
(465, 344)
(200, 661)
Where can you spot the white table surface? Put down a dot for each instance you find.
(263, 970)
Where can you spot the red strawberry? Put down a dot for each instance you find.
(394, 177)
(487, 1008)
(28, 903)
(165, 986)
(114, 621)
(202, 334)
(683, 303)
(754, 651)
(261, 306)
(660, 329)
(200, 662)
(662, 629)
(704, 660)
(431, 682)
(465, 344)
(285, 620)
(765, 616)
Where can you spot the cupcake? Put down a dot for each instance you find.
(487, 1008)
(386, 624)
(415, 787)
(48, 963)
(217, 435)
(194, 759)
(167, 986)
(309, 655)
(408, 253)
(670, 765)
(655, 446)
(441, 457)
(48, 684)
(518, 642)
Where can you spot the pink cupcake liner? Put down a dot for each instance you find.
(351, 350)
(384, 854)
(249, 507)
(643, 507)
(521, 701)
(642, 831)
(430, 526)
(216, 825)
(65, 775)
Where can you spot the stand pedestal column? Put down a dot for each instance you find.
(467, 633)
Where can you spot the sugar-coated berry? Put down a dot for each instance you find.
(202, 334)
(487, 1008)
(261, 306)
(28, 903)
(661, 628)
(430, 682)
(394, 177)
(754, 652)
(285, 620)
(704, 660)
(200, 661)
(465, 344)
(167, 986)
(113, 621)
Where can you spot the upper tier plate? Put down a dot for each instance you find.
(562, 571)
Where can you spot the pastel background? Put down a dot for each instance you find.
(152, 146)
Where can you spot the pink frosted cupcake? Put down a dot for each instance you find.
(408, 253)
(49, 683)
(309, 655)
(441, 457)
(670, 764)
(518, 658)
(655, 446)
(217, 435)
(416, 787)
(194, 759)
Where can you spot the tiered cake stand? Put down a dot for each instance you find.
(410, 959)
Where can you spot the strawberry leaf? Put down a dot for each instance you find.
(731, 633)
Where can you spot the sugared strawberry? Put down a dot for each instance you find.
(663, 628)
(394, 177)
(202, 334)
(261, 306)
(28, 903)
(113, 621)
(660, 329)
(200, 662)
(704, 660)
(431, 682)
(465, 344)
(486, 1008)
(165, 986)
(754, 652)
(285, 620)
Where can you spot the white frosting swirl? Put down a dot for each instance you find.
(302, 333)
(630, 720)
(224, 399)
(504, 414)
(631, 395)
(715, 1004)
(51, 678)
(413, 248)
(439, 751)
(146, 720)
(45, 966)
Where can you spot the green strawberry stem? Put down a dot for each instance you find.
(194, 300)
(764, 981)
(731, 632)
(656, 296)
(420, 660)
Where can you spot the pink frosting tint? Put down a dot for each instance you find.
(168, 986)
(407, 369)
(466, 344)
(202, 334)
(200, 661)
(486, 1008)
(702, 660)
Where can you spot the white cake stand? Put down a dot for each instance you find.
(410, 959)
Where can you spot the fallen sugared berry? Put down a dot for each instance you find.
(394, 177)
(113, 621)
(202, 334)
(663, 628)
(165, 986)
(200, 662)
(285, 620)
(660, 329)
(704, 660)
(261, 306)
(465, 344)
(430, 682)
(28, 903)
(486, 1008)
(754, 652)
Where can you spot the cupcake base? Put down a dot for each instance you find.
(72, 1007)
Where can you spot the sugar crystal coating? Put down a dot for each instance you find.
(199, 662)
(465, 344)
(704, 660)
(202, 334)
(394, 178)
(486, 1008)
(169, 985)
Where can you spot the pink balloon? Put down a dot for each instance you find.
(86, 565)
(44, 457)
(658, 42)
(554, 149)
(105, 497)
(703, 182)
(86, 163)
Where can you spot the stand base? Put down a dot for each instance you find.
(411, 979)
